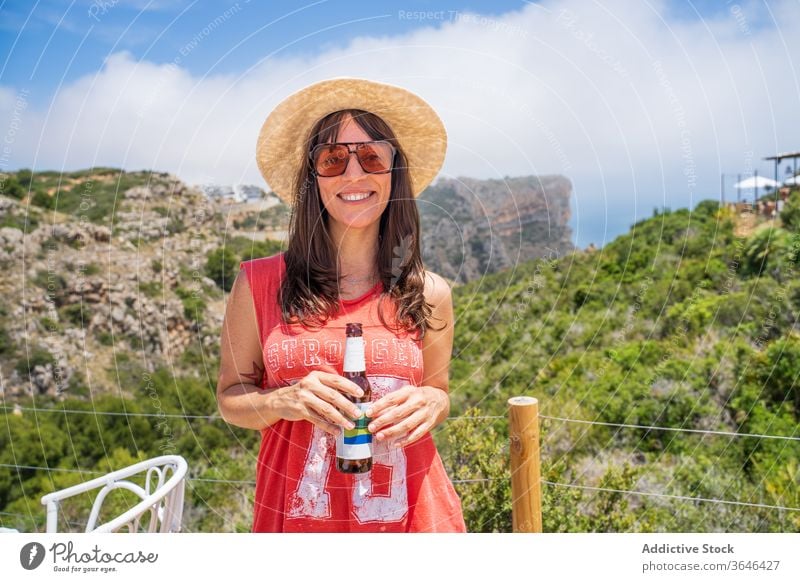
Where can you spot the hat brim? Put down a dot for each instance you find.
(281, 143)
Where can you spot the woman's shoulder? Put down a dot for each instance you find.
(263, 274)
(263, 265)
(436, 287)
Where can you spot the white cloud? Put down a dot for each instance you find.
(637, 107)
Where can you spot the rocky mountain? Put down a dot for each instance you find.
(104, 266)
(109, 270)
(472, 228)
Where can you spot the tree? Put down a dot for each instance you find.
(10, 187)
(25, 177)
(790, 215)
(44, 200)
(765, 248)
(222, 266)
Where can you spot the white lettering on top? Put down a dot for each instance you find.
(292, 353)
(400, 351)
(311, 353)
(380, 351)
(289, 346)
(333, 351)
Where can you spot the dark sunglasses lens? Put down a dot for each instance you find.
(330, 161)
(375, 157)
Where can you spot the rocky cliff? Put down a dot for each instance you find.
(103, 267)
(475, 227)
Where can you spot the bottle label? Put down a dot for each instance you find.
(354, 360)
(356, 444)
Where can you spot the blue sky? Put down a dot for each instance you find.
(640, 104)
(50, 42)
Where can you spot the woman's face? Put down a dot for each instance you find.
(346, 214)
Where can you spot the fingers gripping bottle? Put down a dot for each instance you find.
(354, 446)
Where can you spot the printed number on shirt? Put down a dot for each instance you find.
(311, 498)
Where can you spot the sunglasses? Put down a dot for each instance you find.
(331, 159)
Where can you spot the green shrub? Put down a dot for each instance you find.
(790, 215)
(43, 200)
(39, 356)
(194, 307)
(91, 269)
(222, 266)
(9, 186)
(151, 289)
(50, 325)
(76, 314)
(6, 343)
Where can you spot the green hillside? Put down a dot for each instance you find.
(684, 323)
(678, 324)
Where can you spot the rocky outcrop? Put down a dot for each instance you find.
(475, 227)
(80, 235)
(75, 293)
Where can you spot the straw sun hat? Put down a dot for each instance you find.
(281, 143)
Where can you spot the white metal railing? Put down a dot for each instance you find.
(162, 497)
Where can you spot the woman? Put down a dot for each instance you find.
(349, 156)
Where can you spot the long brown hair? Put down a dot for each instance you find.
(309, 293)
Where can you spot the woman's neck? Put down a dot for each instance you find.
(357, 253)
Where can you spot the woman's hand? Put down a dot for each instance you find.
(319, 398)
(408, 413)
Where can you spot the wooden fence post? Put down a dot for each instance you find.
(526, 492)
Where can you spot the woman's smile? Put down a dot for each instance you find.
(356, 196)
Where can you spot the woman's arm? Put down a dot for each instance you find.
(317, 398)
(412, 411)
(240, 399)
(437, 345)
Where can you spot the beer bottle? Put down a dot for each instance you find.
(354, 446)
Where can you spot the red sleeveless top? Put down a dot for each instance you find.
(298, 488)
